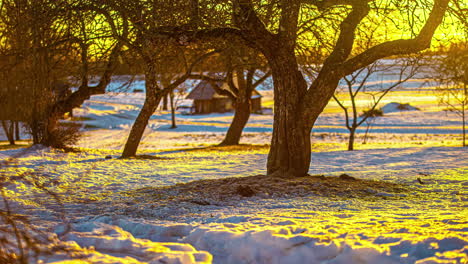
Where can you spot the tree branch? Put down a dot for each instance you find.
(345, 109)
(262, 79)
(399, 47)
(324, 4)
(345, 41)
(166, 90)
(253, 31)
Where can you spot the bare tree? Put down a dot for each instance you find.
(46, 42)
(357, 85)
(154, 93)
(243, 79)
(245, 70)
(143, 18)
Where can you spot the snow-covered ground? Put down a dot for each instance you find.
(129, 211)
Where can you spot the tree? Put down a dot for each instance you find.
(31, 42)
(357, 87)
(241, 80)
(156, 52)
(452, 71)
(296, 106)
(245, 70)
(46, 42)
(97, 54)
(154, 93)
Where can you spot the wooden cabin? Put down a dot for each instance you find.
(206, 100)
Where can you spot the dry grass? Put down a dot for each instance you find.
(227, 191)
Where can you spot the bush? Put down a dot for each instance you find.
(372, 113)
(62, 136)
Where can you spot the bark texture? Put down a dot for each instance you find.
(241, 117)
(290, 145)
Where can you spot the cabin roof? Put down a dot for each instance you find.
(205, 91)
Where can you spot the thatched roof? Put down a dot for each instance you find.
(205, 91)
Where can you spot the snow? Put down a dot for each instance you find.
(398, 107)
(117, 216)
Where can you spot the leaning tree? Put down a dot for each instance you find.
(166, 62)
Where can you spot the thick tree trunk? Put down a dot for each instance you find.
(290, 150)
(241, 117)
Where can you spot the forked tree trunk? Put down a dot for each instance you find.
(290, 144)
(241, 116)
(366, 134)
(152, 100)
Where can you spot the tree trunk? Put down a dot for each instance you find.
(52, 123)
(171, 97)
(17, 131)
(138, 128)
(35, 126)
(352, 134)
(8, 127)
(152, 100)
(164, 104)
(368, 123)
(241, 116)
(290, 150)
(463, 126)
